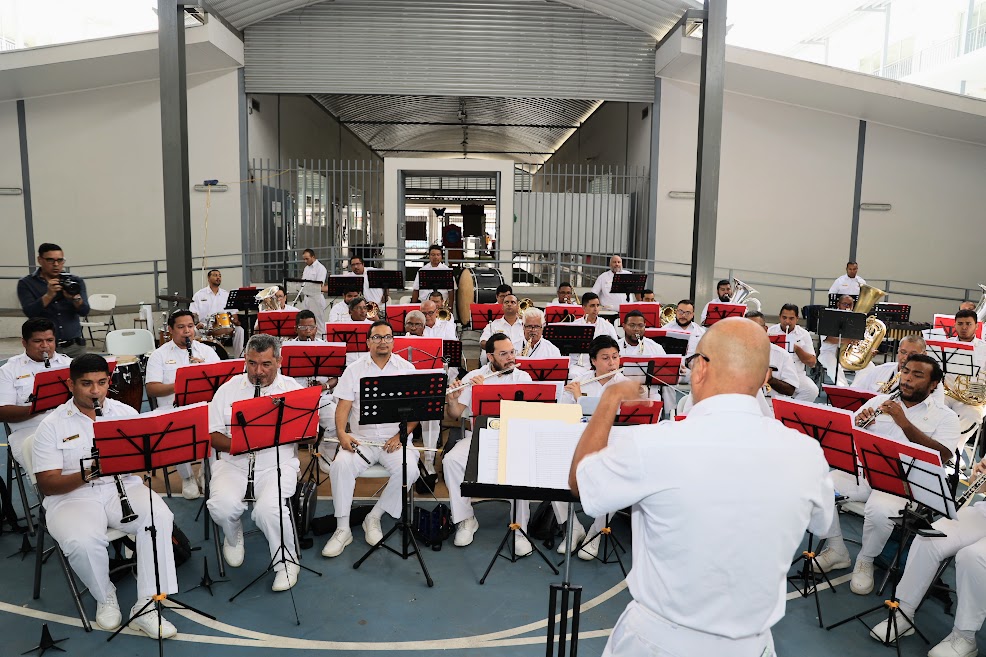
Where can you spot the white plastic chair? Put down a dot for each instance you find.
(130, 342)
(103, 302)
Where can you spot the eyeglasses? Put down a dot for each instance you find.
(306, 328)
(533, 327)
(54, 261)
(381, 338)
(691, 359)
(506, 354)
(429, 313)
(685, 312)
(414, 323)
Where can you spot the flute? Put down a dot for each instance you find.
(601, 376)
(866, 423)
(376, 443)
(471, 382)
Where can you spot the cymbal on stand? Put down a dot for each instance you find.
(174, 298)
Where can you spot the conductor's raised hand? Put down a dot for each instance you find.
(627, 390)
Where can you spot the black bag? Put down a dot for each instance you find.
(7, 513)
(543, 526)
(181, 545)
(303, 504)
(432, 527)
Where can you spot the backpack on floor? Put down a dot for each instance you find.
(434, 526)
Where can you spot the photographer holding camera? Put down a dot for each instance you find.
(56, 296)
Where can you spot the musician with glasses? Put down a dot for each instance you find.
(965, 540)
(565, 294)
(162, 368)
(78, 512)
(212, 299)
(913, 417)
(510, 325)
(230, 474)
(414, 323)
(59, 297)
(434, 327)
(357, 453)
(777, 484)
(500, 368)
(306, 332)
(970, 413)
(535, 345)
(801, 349)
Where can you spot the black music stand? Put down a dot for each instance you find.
(452, 354)
(570, 597)
(674, 342)
(570, 338)
(403, 398)
(243, 299)
(141, 444)
(260, 423)
(885, 470)
(436, 279)
(385, 279)
(340, 284)
(628, 283)
(844, 325)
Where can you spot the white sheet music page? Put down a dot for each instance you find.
(489, 456)
(540, 452)
(929, 485)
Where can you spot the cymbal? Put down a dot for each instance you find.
(175, 298)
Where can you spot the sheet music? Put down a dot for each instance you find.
(489, 456)
(541, 452)
(927, 482)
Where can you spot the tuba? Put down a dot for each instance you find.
(267, 298)
(981, 306)
(855, 356)
(667, 315)
(742, 291)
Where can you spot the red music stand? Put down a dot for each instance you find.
(545, 369)
(780, 340)
(353, 334)
(423, 353)
(650, 310)
(719, 311)
(397, 313)
(947, 324)
(954, 357)
(50, 389)
(848, 399)
(639, 412)
(199, 382)
(281, 323)
(658, 370)
(486, 398)
(558, 312)
(307, 360)
(481, 314)
(831, 427)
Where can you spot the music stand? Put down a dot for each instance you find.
(339, 284)
(435, 279)
(655, 370)
(649, 309)
(141, 444)
(560, 312)
(848, 399)
(628, 283)
(487, 397)
(481, 314)
(845, 325)
(397, 313)
(452, 353)
(243, 299)
(402, 398)
(674, 342)
(570, 338)
(385, 279)
(423, 353)
(545, 369)
(199, 382)
(352, 333)
(954, 357)
(270, 422)
(884, 468)
(309, 360)
(281, 323)
(720, 310)
(780, 340)
(50, 389)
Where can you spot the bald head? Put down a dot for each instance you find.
(739, 358)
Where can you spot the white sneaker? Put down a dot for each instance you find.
(234, 553)
(862, 578)
(338, 542)
(464, 531)
(578, 533)
(371, 529)
(108, 614)
(200, 477)
(589, 551)
(287, 578)
(522, 547)
(190, 488)
(955, 645)
(150, 621)
(830, 559)
(904, 628)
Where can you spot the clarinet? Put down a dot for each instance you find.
(47, 360)
(878, 412)
(188, 345)
(970, 492)
(127, 511)
(249, 495)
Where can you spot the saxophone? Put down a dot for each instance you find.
(889, 384)
(526, 348)
(855, 356)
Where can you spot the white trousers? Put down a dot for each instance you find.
(828, 361)
(348, 466)
(454, 468)
(880, 507)
(431, 430)
(966, 541)
(561, 515)
(970, 417)
(807, 389)
(642, 633)
(78, 522)
(226, 505)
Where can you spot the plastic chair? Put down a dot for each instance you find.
(130, 342)
(103, 302)
(16, 474)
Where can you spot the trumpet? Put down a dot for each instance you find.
(472, 382)
(249, 495)
(865, 424)
(127, 511)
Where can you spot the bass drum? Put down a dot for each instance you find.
(476, 285)
(218, 348)
(127, 383)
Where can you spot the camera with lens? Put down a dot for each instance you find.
(69, 284)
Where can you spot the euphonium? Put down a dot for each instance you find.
(741, 292)
(267, 298)
(525, 303)
(667, 315)
(372, 311)
(856, 355)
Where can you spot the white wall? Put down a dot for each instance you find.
(13, 249)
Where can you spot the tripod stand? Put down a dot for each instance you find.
(808, 574)
(610, 546)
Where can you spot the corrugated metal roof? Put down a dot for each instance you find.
(522, 129)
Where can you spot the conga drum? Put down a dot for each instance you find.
(476, 285)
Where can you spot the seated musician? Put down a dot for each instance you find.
(377, 295)
(502, 290)
(510, 324)
(307, 332)
(501, 368)
(281, 301)
(782, 378)
(414, 323)
(434, 327)
(604, 285)
(162, 366)
(17, 381)
(634, 343)
(566, 294)
(970, 413)
(913, 417)
(965, 540)
(358, 312)
(210, 300)
(604, 357)
(882, 379)
(340, 311)
(435, 255)
(230, 474)
(724, 290)
(535, 345)
(801, 350)
(362, 445)
(78, 511)
(828, 353)
(648, 296)
(592, 306)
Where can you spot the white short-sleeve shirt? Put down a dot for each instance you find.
(17, 384)
(165, 361)
(348, 389)
(423, 293)
(645, 347)
(603, 286)
(443, 329)
(938, 422)
(205, 303)
(543, 349)
(845, 285)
